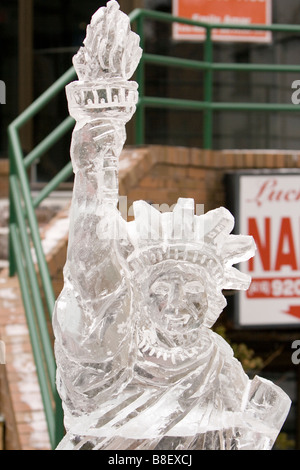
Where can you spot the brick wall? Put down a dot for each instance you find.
(162, 174)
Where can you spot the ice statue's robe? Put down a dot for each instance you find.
(206, 402)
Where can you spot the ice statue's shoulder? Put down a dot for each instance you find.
(221, 343)
(231, 365)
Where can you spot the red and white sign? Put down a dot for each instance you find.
(269, 211)
(233, 12)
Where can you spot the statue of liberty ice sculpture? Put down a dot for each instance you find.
(138, 366)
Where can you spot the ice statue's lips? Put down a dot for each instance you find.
(179, 320)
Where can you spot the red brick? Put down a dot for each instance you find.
(280, 160)
(164, 170)
(196, 157)
(150, 182)
(4, 166)
(228, 159)
(159, 153)
(290, 161)
(189, 183)
(249, 160)
(196, 173)
(269, 160)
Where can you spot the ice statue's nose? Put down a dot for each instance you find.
(175, 296)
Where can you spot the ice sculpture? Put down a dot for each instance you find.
(138, 366)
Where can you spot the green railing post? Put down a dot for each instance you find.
(31, 217)
(12, 215)
(208, 91)
(59, 420)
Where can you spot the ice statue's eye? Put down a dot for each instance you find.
(194, 287)
(160, 288)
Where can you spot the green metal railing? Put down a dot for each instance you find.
(25, 242)
(26, 247)
(208, 106)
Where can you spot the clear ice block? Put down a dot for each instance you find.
(138, 366)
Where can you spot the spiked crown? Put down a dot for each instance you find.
(180, 235)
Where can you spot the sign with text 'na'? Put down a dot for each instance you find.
(268, 209)
(233, 12)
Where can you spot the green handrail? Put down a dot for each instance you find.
(35, 282)
(208, 66)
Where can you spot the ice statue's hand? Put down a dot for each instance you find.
(267, 402)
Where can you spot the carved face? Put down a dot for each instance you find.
(178, 294)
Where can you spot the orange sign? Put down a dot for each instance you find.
(233, 12)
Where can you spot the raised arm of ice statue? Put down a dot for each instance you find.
(95, 298)
(103, 99)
